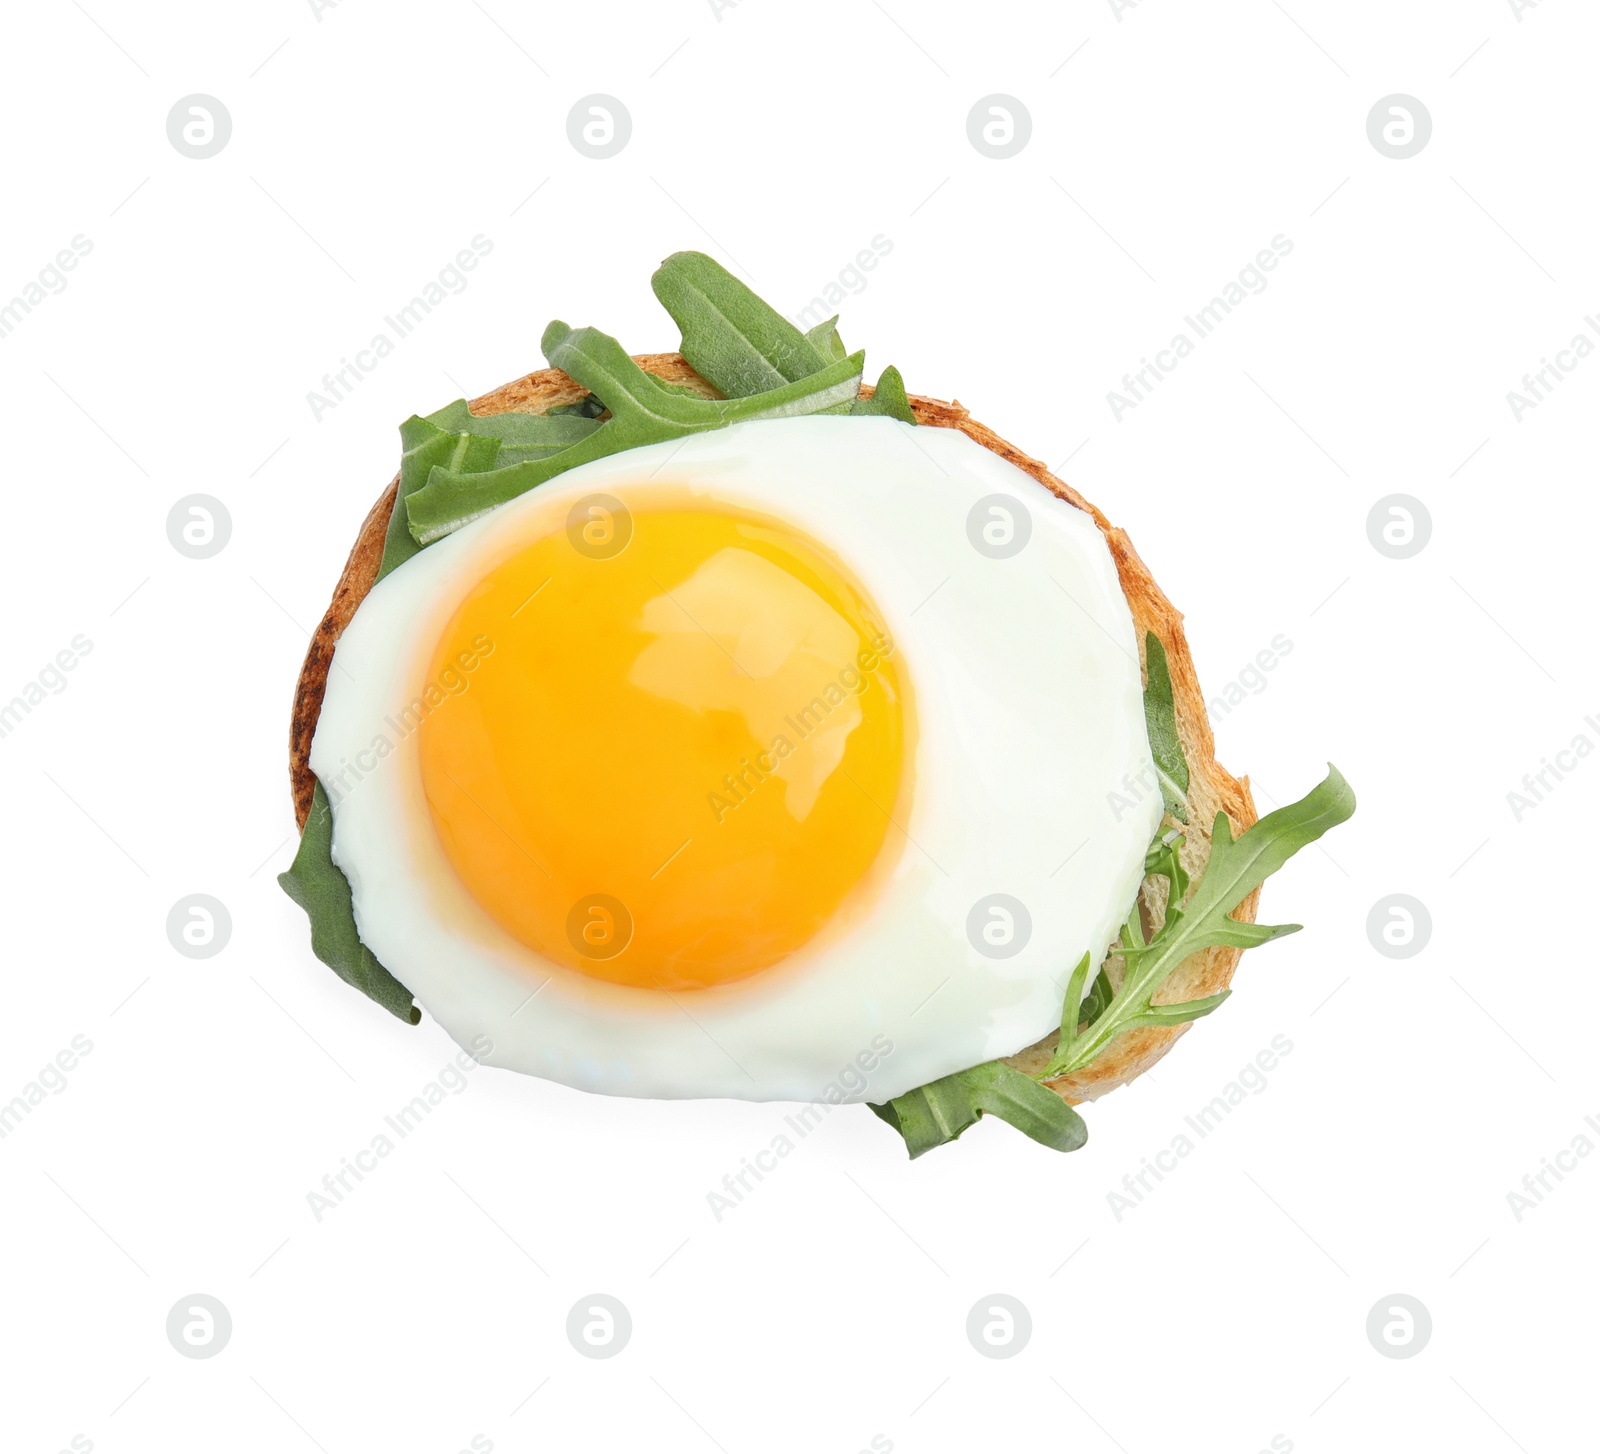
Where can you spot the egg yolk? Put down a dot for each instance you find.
(668, 745)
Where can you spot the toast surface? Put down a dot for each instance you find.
(1212, 789)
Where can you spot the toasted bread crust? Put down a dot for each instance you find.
(1212, 789)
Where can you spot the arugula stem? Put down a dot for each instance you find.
(1234, 869)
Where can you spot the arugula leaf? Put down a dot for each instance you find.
(939, 1112)
(1182, 1014)
(1161, 726)
(888, 398)
(424, 445)
(643, 411)
(1098, 999)
(825, 339)
(522, 453)
(1235, 867)
(740, 343)
(1164, 859)
(514, 429)
(455, 438)
(315, 882)
(601, 364)
(1072, 1005)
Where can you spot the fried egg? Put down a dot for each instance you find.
(798, 760)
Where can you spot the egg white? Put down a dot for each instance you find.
(1030, 728)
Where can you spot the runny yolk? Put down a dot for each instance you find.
(670, 746)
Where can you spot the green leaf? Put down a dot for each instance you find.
(601, 364)
(675, 387)
(1163, 857)
(423, 446)
(315, 883)
(1178, 1014)
(1236, 935)
(455, 438)
(1098, 999)
(1233, 870)
(642, 412)
(1072, 1005)
(939, 1112)
(825, 339)
(1161, 726)
(513, 428)
(888, 398)
(740, 343)
(523, 453)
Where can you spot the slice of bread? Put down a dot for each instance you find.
(1211, 788)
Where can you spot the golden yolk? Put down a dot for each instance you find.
(669, 743)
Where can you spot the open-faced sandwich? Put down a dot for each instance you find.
(712, 723)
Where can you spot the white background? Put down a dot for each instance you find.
(1170, 143)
